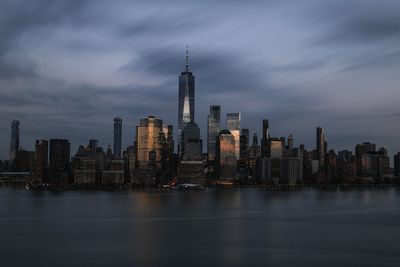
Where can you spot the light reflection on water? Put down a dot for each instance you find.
(241, 227)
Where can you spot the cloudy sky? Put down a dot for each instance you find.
(68, 67)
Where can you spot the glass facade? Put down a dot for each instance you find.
(233, 125)
(14, 142)
(213, 129)
(186, 100)
(117, 137)
(150, 138)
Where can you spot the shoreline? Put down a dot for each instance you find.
(291, 188)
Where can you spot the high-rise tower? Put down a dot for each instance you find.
(321, 146)
(233, 125)
(186, 99)
(14, 142)
(117, 136)
(213, 129)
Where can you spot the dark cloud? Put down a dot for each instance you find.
(291, 62)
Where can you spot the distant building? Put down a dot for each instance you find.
(290, 142)
(375, 165)
(84, 166)
(254, 155)
(265, 138)
(244, 149)
(361, 149)
(24, 161)
(226, 162)
(59, 161)
(191, 167)
(233, 125)
(117, 137)
(397, 165)
(213, 129)
(264, 170)
(152, 150)
(292, 170)
(115, 175)
(41, 161)
(321, 146)
(186, 99)
(346, 164)
(275, 148)
(14, 142)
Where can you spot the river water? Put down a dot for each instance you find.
(214, 227)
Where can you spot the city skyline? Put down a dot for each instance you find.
(296, 74)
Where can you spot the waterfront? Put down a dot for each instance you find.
(213, 227)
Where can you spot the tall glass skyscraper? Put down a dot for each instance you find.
(186, 99)
(213, 129)
(14, 142)
(117, 136)
(321, 151)
(233, 125)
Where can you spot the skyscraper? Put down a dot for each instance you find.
(14, 142)
(191, 167)
(41, 159)
(117, 136)
(186, 99)
(265, 138)
(233, 125)
(226, 161)
(150, 138)
(321, 146)
(213, 129)
(59, 161)
(396, 164)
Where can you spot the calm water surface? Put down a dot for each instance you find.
(230, 227)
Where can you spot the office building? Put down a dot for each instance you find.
(233, 125)
(117, 137)
(213, 129)
(59, 161)
(265, 138)
(321, 146)
(41, 161)
(191, 165)
(14, 141)
(186, 99)
(226, 162)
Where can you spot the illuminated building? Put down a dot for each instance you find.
(233, 125)
(186, 99)
(226, 155)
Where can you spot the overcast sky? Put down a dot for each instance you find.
(68, 67)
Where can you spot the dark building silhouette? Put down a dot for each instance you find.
(254, 155)
(213, 129)
(186, 99)
(24, 161)
(244, 149)
(397, 165)
(191, 167)
(265, 138)
(59, 161)
(41, 161)
(14, 142)
(117, 137)
(361, 149)
(93, 145)
(321, 146)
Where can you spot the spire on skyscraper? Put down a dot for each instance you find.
(187, 59)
